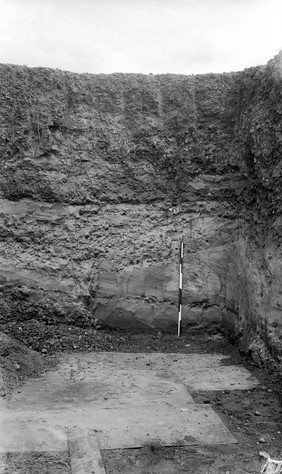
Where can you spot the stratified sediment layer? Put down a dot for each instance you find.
(102, 174)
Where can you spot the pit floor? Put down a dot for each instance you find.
(196, 410)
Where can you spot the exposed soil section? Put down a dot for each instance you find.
(99, 178)
(100, 175)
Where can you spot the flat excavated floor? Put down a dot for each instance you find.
(127, 400)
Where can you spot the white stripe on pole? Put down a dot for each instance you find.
(179, 321)
(180, 279)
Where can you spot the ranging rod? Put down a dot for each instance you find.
(181, 248)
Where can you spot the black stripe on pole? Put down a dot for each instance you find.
(180, 299)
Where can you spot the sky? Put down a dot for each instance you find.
(140, 36)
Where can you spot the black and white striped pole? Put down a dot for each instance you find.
(181, 248)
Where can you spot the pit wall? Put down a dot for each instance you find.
(254, 296)
(102, 175)
(252, 314)
(117, 264)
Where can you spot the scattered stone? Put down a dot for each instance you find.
(257, 413)
(263, 454)
(5, 351)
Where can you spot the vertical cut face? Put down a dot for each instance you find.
(107, 173)
(101, 175)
